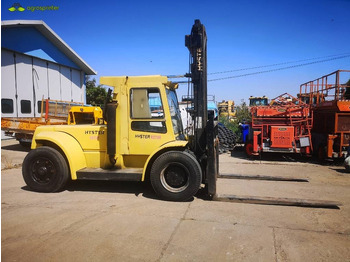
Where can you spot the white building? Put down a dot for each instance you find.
(35, 64)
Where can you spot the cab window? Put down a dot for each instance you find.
(146, 103)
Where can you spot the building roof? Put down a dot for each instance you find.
(43, 28)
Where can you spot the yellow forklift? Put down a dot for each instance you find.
(139, 137)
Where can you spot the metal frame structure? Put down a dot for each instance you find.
(329, 101)
(53, 112)
(283, 126)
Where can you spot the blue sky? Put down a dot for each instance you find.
(147, 37)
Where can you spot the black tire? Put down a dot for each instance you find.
(226, 137)
(45, 170)
(176, 176)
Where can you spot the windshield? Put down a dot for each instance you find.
(258, 102)
(174, 111)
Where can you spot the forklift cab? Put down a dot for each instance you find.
(145, 115)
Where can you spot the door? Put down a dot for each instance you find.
(54, 81)
(77, 94)
(66, 83)
(148, 128)
(40, 80)
(8, 85)
(24, 80)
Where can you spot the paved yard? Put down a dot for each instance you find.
(110, 221)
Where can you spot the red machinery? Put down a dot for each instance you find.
(283, 126)
(329, 100)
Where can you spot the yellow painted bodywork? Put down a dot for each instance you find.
(86, 145)
(227, 109)
(84, 115)
(70, 147)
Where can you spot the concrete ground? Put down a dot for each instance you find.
(115, 221)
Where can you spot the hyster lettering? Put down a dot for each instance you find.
(143, 136)
(94, 132)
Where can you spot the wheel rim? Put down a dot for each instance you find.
(175, 177)
(249, 149)
(43, 170)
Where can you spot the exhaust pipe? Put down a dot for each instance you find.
(111, 110)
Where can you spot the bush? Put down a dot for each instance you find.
(95, 95)
(242, 116)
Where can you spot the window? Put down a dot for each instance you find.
(26, 107)
(149, 126)
(39, 106)
(146, 103)
(174, 112)
(6, 106)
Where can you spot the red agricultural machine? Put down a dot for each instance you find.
(329, 100)
(283, 126)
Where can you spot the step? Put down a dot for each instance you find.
(116, 174)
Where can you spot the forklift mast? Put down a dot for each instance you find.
(196, 43)
(204, 142)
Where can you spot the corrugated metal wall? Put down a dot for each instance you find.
(26, 80)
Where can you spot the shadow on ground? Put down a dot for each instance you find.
(16, 147)
(123, 187)
(341, 171)
(238, 152)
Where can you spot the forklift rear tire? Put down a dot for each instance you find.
(45, 170)
(176, 176)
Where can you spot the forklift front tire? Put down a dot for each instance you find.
(176, 176)
(45, 170)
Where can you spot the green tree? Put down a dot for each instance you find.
(243, 113)
(242, 116)
(95, 95)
